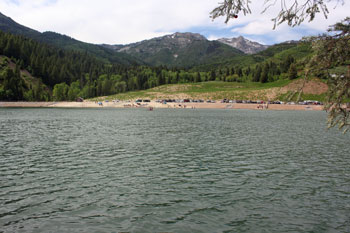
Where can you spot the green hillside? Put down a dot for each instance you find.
(281, 51)
(183, 50)
(10, 26)
(67, 43)
(19, 84)
(100, 52)
(206, 52)
(275, 53)
(215, 90)
(79, 74)
(66, 68)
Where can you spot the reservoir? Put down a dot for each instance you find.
(172, 170)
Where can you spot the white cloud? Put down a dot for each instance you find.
(257, 27)
(120, 21)
(109, 21)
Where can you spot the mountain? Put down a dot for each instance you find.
(100, 52)
(66, 42)
(10, 26)
(178, 49)
(275, 53)
(183, 50)
(280, 51)
(246, 46)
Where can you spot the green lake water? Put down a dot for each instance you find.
(172, 170)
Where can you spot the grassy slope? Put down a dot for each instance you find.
(300, 51)
(216, 91)
(275, 53)
(205, 90)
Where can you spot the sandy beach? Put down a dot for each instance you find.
(155, 105)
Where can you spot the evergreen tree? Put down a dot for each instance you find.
(286, 63)
(212, 75)
(257, 74)
(331, 57)
(239, 72)
(74, 90)
(198, 77)
(264, 74)
(292, 72)
(60, 92)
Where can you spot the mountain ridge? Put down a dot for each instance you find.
(65, 42)
(243, 44)
(175, 50)
(182, 50)
(240, 43)
(9, 25)
(175, 58)
(178, 50)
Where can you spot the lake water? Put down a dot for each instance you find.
(172, 170)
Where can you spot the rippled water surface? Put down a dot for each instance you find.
(128, 170)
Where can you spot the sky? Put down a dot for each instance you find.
(128, 21)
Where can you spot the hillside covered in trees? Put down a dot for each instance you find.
(67, 74)
(46, 66)
(65, 42)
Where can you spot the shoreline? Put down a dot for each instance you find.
(155, 105)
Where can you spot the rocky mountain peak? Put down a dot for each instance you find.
(187, 35)
(243, 44)
(172, 42)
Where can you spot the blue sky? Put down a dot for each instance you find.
(123, 21)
